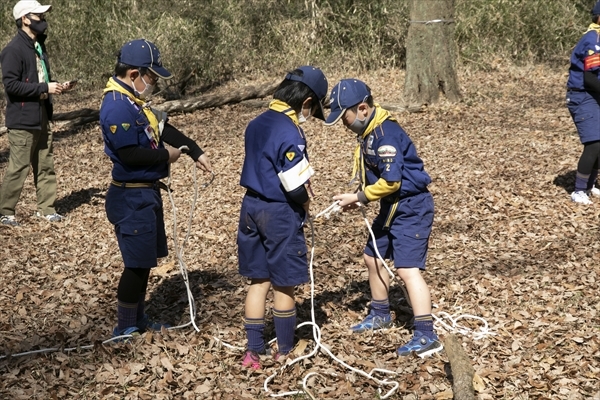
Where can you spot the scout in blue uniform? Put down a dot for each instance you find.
(389, 170)
(583, 101)
(134, 140)
(271, 243)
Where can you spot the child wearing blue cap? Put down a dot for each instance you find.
(134, 140)
(389, 170)
(583, 96)
(275, 174)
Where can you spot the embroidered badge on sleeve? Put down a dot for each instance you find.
(113, 129)
(290, 155)
(386, 151)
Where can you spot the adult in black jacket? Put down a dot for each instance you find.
(29, 89)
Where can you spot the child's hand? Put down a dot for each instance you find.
(174, 154)
(348, 201)
(306, 207)
(204, 163)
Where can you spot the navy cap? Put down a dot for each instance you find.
(315, 79)
(143, 54)
(596, 9)
(346, 94)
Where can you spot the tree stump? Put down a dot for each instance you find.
(462, 370)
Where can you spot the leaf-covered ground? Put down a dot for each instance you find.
(508, 246)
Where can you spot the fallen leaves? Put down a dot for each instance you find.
(507, 245)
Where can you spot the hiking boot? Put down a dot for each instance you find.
(145, 323)
(581, 197)
(372, 322)
(9, 220)
(127, 333)
(422, 345)
(251, 360)
(50, 217)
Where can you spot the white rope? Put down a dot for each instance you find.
(319, 346)
(454, 327)
(433, 21)
(179, 250)
(182, 268)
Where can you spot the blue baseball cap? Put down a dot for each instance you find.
(346, 94)
(315, 79)
(143, 54)
(596, 9)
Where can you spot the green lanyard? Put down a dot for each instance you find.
(38, 50)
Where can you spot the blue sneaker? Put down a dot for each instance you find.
(422, 345)
(131, 331)
(372, 322)
(145, 323)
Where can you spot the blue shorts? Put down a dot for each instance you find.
(585, 111)
(406, 241)
(137, 214)
(271, 243)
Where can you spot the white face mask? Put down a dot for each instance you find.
(301, 118)
(147, 92)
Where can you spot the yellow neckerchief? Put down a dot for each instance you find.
(593, 27)
(113, 86)
(380, 116)
(282, 107)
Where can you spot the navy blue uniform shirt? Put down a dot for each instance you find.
(123, 124)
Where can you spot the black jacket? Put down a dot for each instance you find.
(21, 83)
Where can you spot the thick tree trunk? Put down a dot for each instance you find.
(430, 53)
(462, 370)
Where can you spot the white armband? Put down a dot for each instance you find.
(296, 176)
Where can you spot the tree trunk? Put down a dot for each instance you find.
(430, 53)
(462, 370)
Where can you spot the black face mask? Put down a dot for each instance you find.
(38, 27)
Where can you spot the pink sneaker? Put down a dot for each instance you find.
(251, 360)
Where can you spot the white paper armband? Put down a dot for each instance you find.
(296, 176)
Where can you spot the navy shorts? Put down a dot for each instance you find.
(585, 111)
(271, 243)
(407, 239)
(137, 214)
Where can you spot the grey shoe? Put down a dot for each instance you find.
(9, 220)
(50, 217)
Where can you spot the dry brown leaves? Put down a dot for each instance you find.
(507, 245)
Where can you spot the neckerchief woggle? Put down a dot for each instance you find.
(113, 86)
(358, 169)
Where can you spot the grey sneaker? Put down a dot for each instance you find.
(50, 217)
(9, 220)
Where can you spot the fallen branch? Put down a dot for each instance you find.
(462, 370)
(205, 101)
(247, 95)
